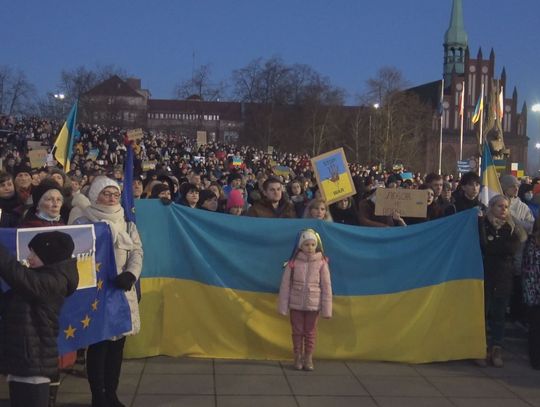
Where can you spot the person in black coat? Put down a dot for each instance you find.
(31, 307)
(500, 238)
(10, 207)
(467, 195)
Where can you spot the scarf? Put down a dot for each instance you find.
(114, 217)
(45, 217)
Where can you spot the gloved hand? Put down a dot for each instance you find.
(165, 201)
(125, 280)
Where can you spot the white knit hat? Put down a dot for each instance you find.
(306, 235)
(98, 185)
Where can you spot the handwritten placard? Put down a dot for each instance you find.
(408, 202)
(34, 145)
(201, 138)
(333, 176)
(135, 134)
(38, 158)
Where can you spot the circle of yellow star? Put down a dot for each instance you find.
(70, 332)
(86, 321)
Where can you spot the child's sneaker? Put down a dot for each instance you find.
(298, 362)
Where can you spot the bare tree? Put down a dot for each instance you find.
(401, 124)
(16, 92)
(200, 85)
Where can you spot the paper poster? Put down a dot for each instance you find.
(38, 158)
(201, 138)
(333, 176)
(135, 134)
(34, 145)
(408, 202)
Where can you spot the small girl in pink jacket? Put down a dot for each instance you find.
(306, 290)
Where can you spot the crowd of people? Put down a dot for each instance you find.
(248, 181)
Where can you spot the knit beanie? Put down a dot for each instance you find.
(508, 181)
(235, 200)
(233, 176)
(22, 167)
(52, 247)
(307, 235)
(39, 190)
(158, 189)
(98, 185)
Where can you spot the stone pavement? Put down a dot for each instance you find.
(164, 381)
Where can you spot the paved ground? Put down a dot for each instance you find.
(163, 381)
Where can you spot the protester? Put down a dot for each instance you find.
(104, 359)
(160, 191)
(306, 291)
(500, 238)
(208, 200)
(189, 195)
(29, 325)
(273, 204)
(318, 209)
(10, 206)
(531, 292)
(343, 212)
(298, 197)
(46, 210)
(466, 195)
(235, 203)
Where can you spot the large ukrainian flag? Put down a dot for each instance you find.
(63, 146)
(491, 185)
(210, 282)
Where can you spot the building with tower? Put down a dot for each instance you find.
(504, 118)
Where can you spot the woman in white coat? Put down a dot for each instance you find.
(104, 359)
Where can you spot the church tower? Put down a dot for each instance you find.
(455, 44)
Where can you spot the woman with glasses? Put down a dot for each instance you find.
(104, 359)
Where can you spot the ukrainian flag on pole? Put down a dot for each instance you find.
(490, 181)
(63, 146)
(478, 109)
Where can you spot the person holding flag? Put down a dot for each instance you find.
(63, 146)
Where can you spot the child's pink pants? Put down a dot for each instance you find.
(304, 328)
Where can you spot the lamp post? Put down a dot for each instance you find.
(59, 98)
(375, 106)
(536, 109)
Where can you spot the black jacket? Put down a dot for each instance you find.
(30, 312)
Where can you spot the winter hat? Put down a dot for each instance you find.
(22, 167)
(205, 195)
(39, 190)
(308, 234)
(508, 181)
(158, 189)
(99, 184)
(235, 199)
(52, 247)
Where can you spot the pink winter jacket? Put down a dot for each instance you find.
(309, 289)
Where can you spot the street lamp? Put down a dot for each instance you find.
(536, 109)
(375, 106)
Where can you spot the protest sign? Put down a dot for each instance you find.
(148, 165)
(93, 154)
(201, 138)
(135, 134)
(408, 202)
(270, 150)
(333, 176)
(38, 158)
(34, 145)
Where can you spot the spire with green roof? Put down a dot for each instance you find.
(455, 43)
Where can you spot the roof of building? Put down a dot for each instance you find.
(429, 93)
(114, 86)
(225, 110)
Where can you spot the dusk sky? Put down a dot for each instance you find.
(346, 40)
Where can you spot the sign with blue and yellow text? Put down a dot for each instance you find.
(333, 176)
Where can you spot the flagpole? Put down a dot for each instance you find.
(441, 127)
(481, 129)
(462, 114)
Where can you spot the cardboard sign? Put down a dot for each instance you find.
(201, 138)
(408, 202)
(333, 176)
(135, 134)
(148, 165)
(34, 145)
(38, 158)
(270, 150)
